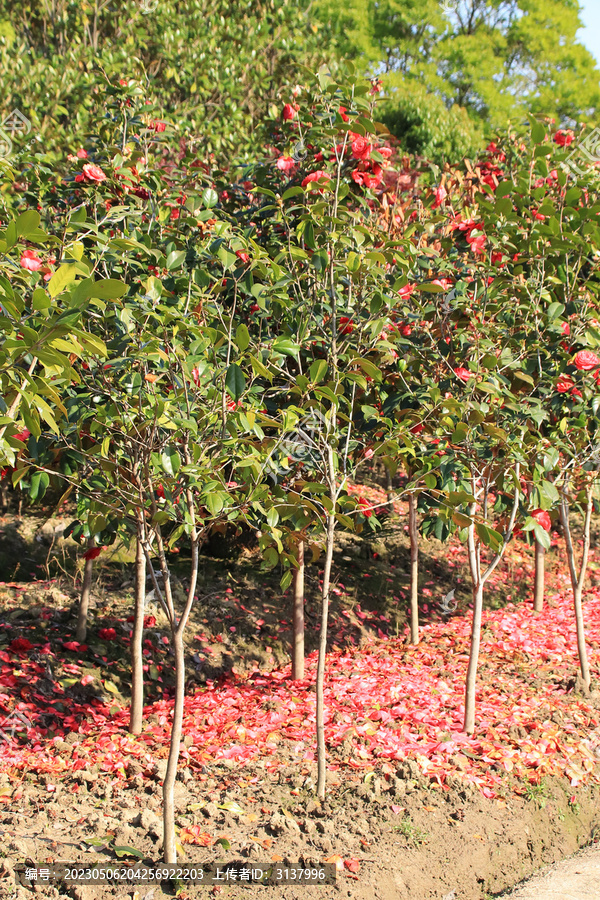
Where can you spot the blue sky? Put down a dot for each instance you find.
(590, 35)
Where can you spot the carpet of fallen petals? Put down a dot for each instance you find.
(386, 701)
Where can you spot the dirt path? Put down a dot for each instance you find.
(577, 878)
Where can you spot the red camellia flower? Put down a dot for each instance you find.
(566, 328)
(107, 634)
(93, 173)
(364, 507)
(20, 645)
(289, 112)
(406, 291)
(285, 163)
(149, 622)
(81, 154)
(346, 325)
(160, 492)
(342, 111)
(477, 242)
(361, 148)
(92, 553)
(22, 435)
(30, 260)
(496, 257)
(542, 516)
(463, 373)
(564, 384)
(314, 176)
(241, 254)
(564, 138)
(585, 360)
(159, 127)
(440, 196)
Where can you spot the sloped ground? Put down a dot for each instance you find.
(414, 808)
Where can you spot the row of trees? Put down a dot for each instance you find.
(451, 72)
(188, 352)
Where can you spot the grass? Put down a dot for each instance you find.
(413, 834)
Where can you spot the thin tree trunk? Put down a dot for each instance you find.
(169, 843)
(469, 723)
(84, 600)
(321, 758)
(414, 568)
(137, 657)
(538, 590)
(479, 579)
(389, 486)
(298, 618)
(578, 580)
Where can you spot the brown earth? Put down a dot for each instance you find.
(411, 839)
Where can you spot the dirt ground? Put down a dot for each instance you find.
(400, 836)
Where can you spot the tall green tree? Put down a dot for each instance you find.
(450, 72)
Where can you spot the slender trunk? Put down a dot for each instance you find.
(389, 489)
(538, 591)
(469, 723)
(137, 656)
(578, 580)
(298, 618)
(414, 569)
(321, 766)
(84, 600)
(169, 842)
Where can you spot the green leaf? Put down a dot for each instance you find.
(170, 460)
(209, 198)
(235, 381)
(128, 851)
(318, 370)
(214, 503)
(61, 278)
(175, 259)
(231, 806)
(107, 289)
(242, 337)
(40, 300)
(488, 536)
(27, 222)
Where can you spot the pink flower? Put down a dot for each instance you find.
(315, 176)
(585, 360)
(289, 112)
(361, 148)
(30, 260)
(564, 138)
(285, 163)
(386, 152)
(566, 328)
(81, 154)
(369, 453)
(440, 195)
(93, 173)
(541, 516)
(463, 374)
